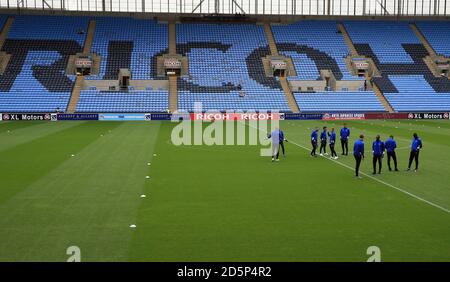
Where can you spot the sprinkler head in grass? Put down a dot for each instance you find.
(133, 226)
(143, 196)
(149, 164)
(147, 177)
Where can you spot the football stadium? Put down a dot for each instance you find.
(225, 131)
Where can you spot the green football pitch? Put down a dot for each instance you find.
(80, 184)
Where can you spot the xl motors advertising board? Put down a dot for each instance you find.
(428, 115)
(26, 117)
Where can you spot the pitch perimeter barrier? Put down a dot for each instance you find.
(217, 116)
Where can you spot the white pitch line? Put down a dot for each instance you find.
(373, 178)
(383, 182)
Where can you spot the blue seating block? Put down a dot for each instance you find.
(27, 94)
(437, 34)
(92, 101)
(345, 101)
(415, 94)
(214, 68)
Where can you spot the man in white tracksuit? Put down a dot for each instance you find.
(275, 135)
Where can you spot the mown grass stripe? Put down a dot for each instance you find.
(19, 135)
(26, 163)
(14, 125)
(88, 200)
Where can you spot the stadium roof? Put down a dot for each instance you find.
(248, 7)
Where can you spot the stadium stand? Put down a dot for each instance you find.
(406, 81)
(224, 62)
(131, 44)
(34, 80)
(225, 65)
(345, 101)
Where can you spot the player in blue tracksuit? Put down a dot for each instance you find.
(323, 141)
(345, 135)
(416, 146)
(391, 145)
(332, 136)
(378, 154)
(282, 139)
(358, 153)
(314, 137)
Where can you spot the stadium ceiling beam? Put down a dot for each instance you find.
(383, 6)
(237, 5)
(216, 5)
(48, 5)
(198, 6)
(21, 3)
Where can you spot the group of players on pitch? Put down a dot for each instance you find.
(378, 147)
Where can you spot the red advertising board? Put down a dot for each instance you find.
(236, 116)
(386, 116)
